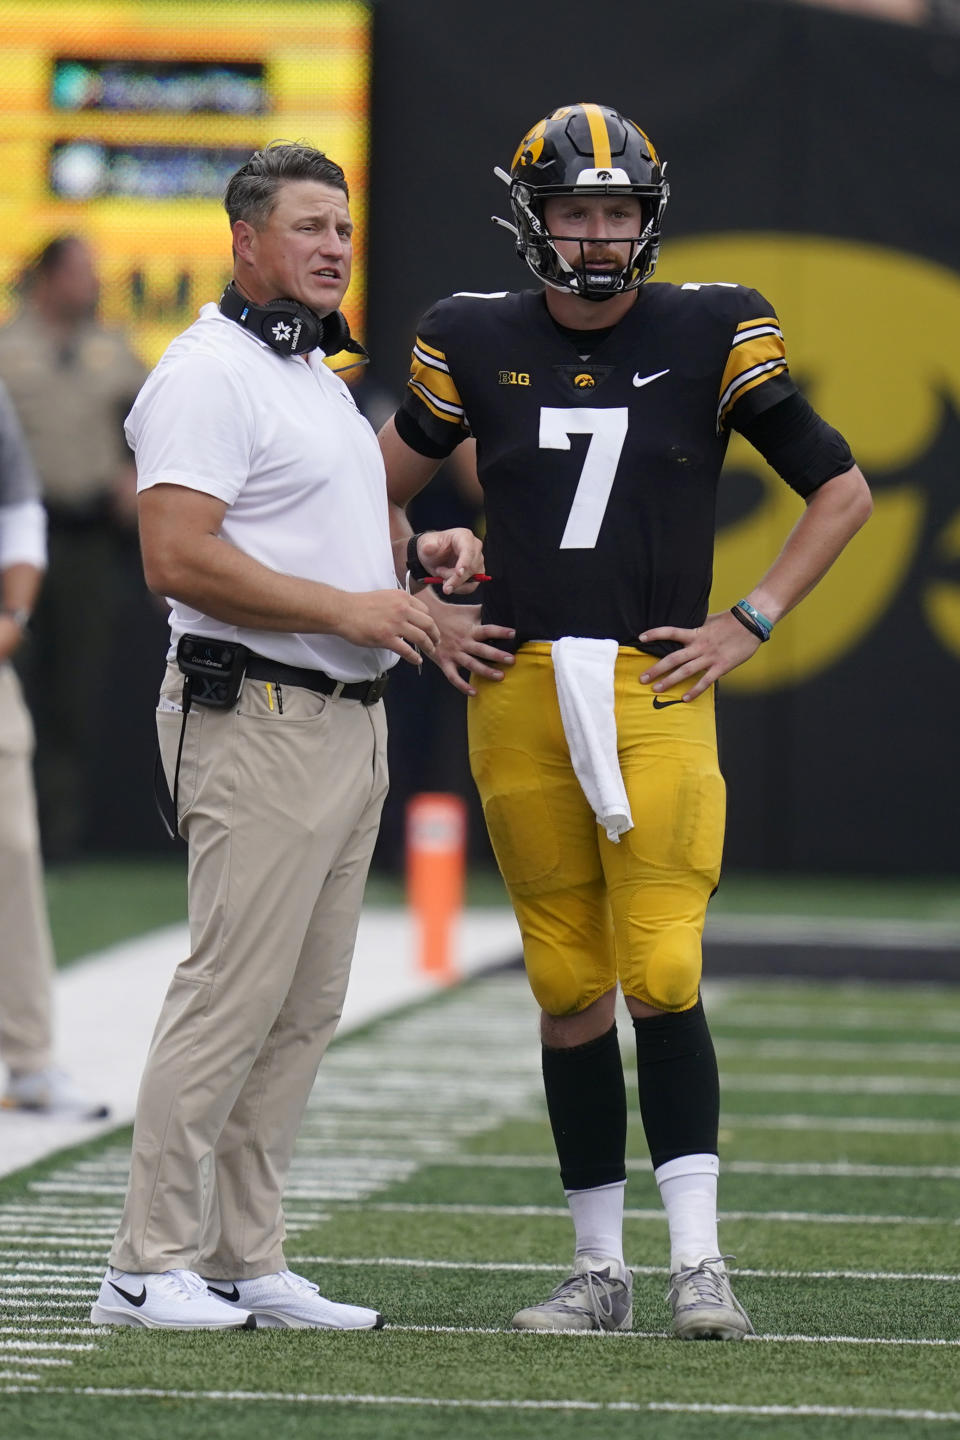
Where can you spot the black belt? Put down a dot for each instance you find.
(368, 692)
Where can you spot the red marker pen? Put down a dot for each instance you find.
(439, 579)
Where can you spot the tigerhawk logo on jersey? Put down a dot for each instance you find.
(584, 377)
(513, 377)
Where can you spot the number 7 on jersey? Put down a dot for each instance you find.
(607, 430)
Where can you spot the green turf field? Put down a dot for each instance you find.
(424, 1183)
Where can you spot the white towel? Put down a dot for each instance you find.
(584, 674)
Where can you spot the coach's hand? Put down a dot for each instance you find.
(454, 556)
(11, 636)
(464, 644)
(389, 620)
(720, 644)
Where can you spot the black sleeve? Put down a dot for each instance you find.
(800, 446)
(413, 434)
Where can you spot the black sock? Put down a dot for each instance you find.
(587, 1102)
(678, 1084)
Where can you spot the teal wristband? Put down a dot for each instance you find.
(764, 627)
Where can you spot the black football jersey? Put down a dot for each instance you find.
(599, 475)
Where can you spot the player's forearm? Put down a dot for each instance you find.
(833, 516)
(212, 576)
(400, 532)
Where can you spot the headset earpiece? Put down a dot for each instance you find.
(334, 333)
(287, 326)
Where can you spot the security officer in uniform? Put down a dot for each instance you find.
(33, 1082)
(72, 381)
(602, 405)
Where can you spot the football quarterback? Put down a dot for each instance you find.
(602, 403)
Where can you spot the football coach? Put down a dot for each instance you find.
(264, 521)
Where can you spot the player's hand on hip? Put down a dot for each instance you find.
(390, 620)
(720, 644)
(455, 556)
(465, 644)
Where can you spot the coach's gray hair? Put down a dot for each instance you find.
(251, 192)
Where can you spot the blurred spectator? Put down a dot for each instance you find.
(72, 382)
(26, 952)
(427, 742)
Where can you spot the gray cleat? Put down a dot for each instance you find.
(704, 1306)
(597, 1296)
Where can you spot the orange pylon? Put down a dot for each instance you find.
(436, 861)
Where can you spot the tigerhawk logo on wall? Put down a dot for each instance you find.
(871, 340)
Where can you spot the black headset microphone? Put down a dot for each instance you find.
(291, 328)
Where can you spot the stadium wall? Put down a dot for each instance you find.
(809, 155)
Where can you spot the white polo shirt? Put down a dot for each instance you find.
(282, 443)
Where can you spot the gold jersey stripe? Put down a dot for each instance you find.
(431, 350)
(602, 159)
(745, 356)
(437, 382)
(749, 385)
(759, 320)
(424, 398)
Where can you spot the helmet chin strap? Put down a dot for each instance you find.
(584, 290)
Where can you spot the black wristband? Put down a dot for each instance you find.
(748, 624)
(415, 566)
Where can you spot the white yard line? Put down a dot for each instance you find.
(832, 930)
(29, 1274)
(801, 1217)
(42, 1330)
(861, 1124)
(603, 1336)
(903, 1052)
(840, 1169)
(745, 1015)
(6, 1345)
(827, 1084)
(523, 1267)
(432, 1402)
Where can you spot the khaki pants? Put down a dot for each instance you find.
(280, 811)
(26, 953)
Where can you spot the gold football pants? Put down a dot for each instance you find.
(592, 912)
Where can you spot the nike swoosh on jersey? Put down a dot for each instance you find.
(639, 379)
(659, 704)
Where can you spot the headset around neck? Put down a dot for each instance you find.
(290, 327)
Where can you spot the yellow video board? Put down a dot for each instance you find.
(121, 121)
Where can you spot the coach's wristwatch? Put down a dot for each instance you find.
(415, 566)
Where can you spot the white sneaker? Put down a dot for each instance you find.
(704, 1306)
(173, 1300)
(50, 1092)
(597, 1296)
(289, 1302)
